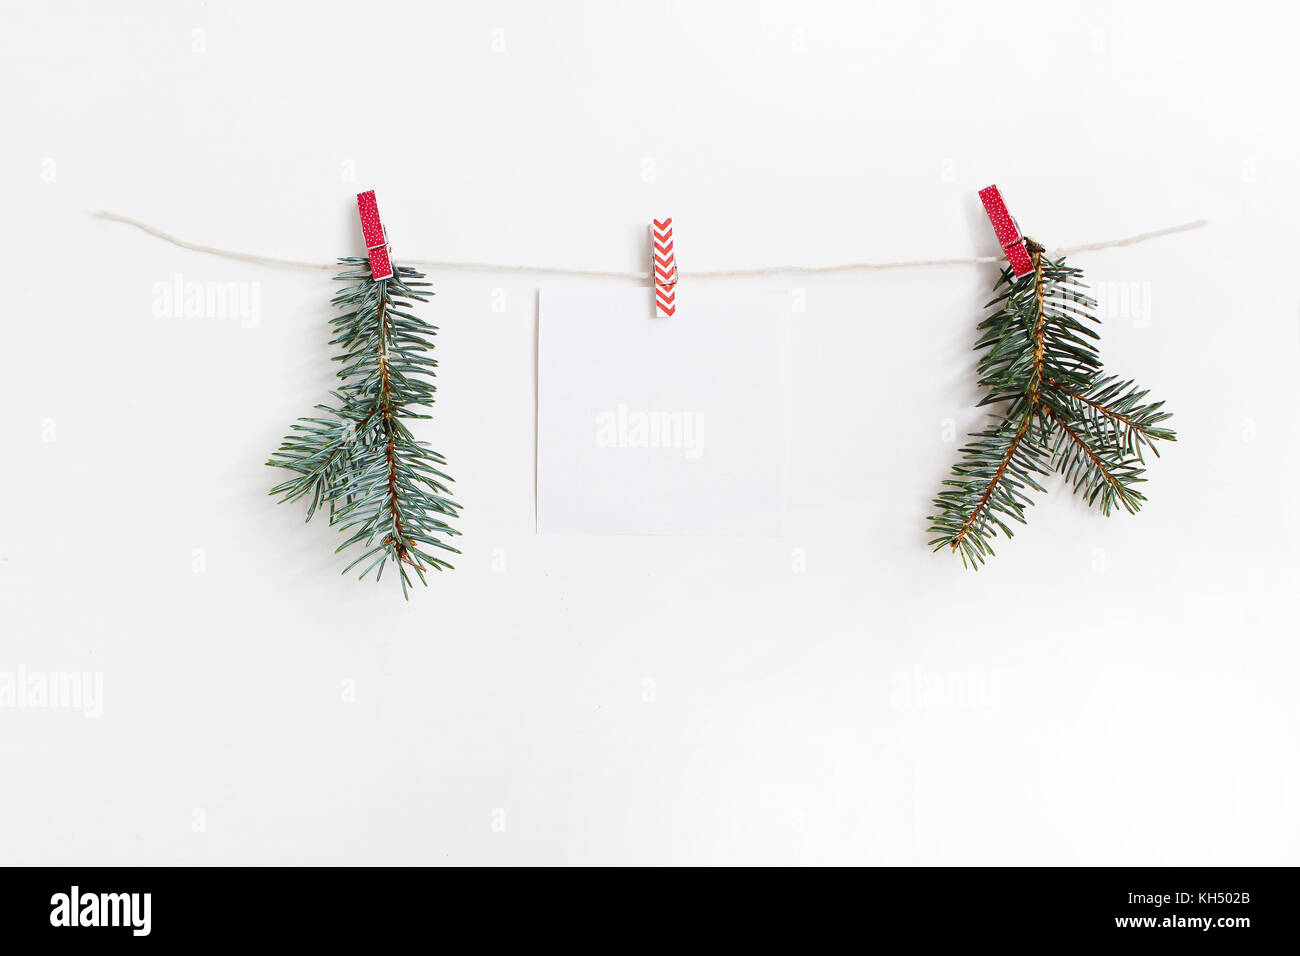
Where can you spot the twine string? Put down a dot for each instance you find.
(641, 276)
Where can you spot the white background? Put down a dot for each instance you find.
(1108, 691)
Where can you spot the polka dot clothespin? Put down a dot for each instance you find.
(1008, 231)
(376, 236)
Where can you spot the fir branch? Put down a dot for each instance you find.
(990, 484)
(1063, 413)
(386, 490)
(1101, 480)
(1135, 425)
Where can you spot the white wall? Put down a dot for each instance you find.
(1108, 691)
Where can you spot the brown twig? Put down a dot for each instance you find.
(1035, 396)
(997, 477)
(398, 538)
(1040, 322)
(1108, 412)
(1078, 440)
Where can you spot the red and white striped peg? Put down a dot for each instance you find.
(663, 264)
(376, 236)
(1008, 230)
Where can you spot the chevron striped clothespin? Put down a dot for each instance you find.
(663, 264)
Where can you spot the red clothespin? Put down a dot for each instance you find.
(663, 263)
(1008, 231)
(376, 236)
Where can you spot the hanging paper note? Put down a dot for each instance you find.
(654, 427)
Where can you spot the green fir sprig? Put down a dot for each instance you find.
(1059, 412)
(385, 490)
